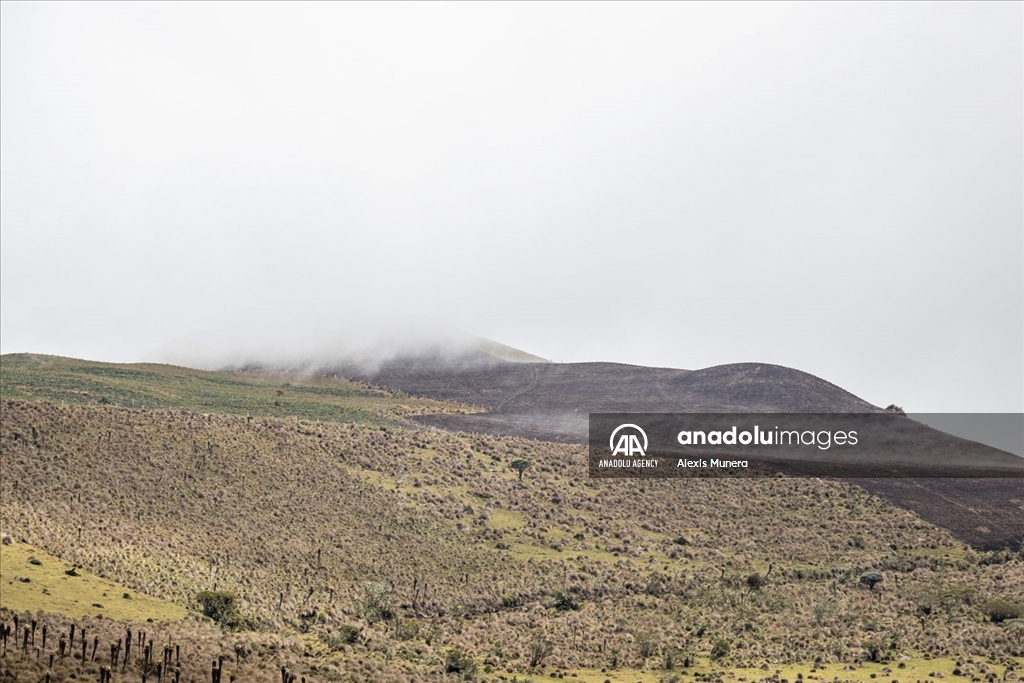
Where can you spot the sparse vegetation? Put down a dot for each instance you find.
(375, 553)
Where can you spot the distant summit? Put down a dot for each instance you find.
(506, 353)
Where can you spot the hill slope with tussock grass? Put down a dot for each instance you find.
(394, 553)
(307, 395)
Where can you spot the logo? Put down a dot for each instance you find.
(628, 443)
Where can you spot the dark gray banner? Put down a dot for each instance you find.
(848, 445)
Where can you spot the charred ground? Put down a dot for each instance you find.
(550, 401)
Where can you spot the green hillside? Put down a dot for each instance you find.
(32, 377)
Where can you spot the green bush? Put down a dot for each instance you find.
(458, 662)
(564, 602)
(406, 629)
(520, 465)
(647, 644)
(869, 579)
(221, 606)
(873, 648)
(720, 649)
(345, 635)
(378, 601)
(1002, 610)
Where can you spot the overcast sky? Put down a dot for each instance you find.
(832, 187)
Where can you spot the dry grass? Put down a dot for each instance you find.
(295, 516)
(195, 646)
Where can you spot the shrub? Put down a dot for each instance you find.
(378, 601)
(406, 629)
(221, 606)
(458, 662)
(720, 649)
(345, 635)
(647, 644)
(822, 610)
(869, 579)
(873, 648)
(1000, 610)
(564, 601)
(956, 595)
(520, 465)
(671, 653)
(540, 650)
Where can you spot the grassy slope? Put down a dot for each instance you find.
(31, 377)
(49, 588)
(295, 516)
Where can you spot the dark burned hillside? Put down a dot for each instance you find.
(397, 554)
(502, 386)
(550, 401)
